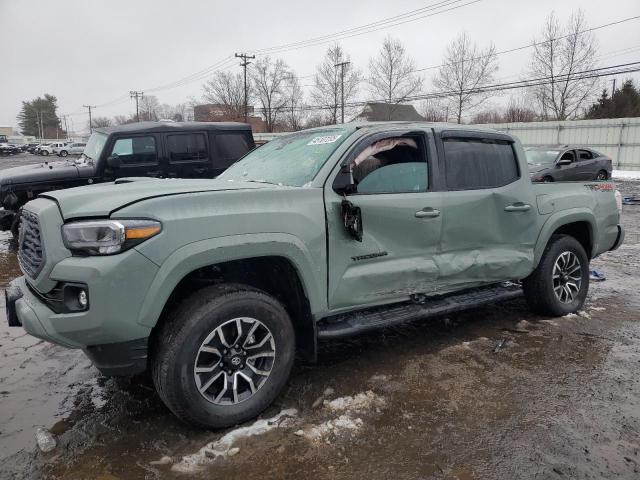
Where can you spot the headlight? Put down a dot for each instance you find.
(106, 237)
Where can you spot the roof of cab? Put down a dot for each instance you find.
(150, 127)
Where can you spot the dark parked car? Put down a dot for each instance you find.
(146, 149)
(31, 147)
(563, 163)
(9, 149)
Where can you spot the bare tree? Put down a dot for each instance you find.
(558, 58)
(97, 122)
(465, 70)
(490, 115)
(269, 78)
(518, 110)
(433, 110)
(123, 119)
(149, 107)
(327, 89)
(392, 76)
(227, 89)
(293, 109)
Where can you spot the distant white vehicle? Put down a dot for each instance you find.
(52, 148)
(71, 149)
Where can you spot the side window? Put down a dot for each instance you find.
(135, 150)
(479, 163)
(187, 147)
(230, 147)
(568, 155)
(392, 165)
(585, 155)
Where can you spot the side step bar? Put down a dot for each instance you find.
(355, 323)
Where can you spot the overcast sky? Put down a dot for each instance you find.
(95, 52)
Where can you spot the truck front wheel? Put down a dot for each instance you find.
(559, 285)
(223, 355)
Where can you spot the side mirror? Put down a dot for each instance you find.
(564, 161)
(344, 183)
(113, 161)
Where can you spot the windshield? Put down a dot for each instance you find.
(542, 157)
(94, 146)
(292, 160)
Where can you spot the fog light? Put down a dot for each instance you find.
(82, 299)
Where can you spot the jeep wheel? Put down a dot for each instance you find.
(45, 153)
(560, 283)
(223, 355)
(63, 153)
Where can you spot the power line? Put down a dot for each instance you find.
(526, 83)
(378, 23)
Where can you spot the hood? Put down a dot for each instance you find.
(38, 172)
(537, 168)
(103, 199)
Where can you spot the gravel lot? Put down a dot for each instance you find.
(434, 399)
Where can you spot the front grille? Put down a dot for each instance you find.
(30, 251)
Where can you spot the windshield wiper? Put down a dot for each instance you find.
(260, 181)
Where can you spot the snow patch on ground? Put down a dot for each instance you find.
(358, 403)
(626, 174)
(348, 421)
(224, 448)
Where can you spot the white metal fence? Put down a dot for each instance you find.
(618, 138)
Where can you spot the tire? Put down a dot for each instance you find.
(602, 175)
(176, 351)
(45, 153)
(547, 179)
(64, 153)
(544, 293)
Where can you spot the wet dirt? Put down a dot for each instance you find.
(495, 392)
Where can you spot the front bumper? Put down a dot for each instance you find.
(108, 331)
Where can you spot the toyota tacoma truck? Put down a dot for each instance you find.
(216, 285)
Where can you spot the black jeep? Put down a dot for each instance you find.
(146, 149)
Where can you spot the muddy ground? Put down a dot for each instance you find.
(434, 399)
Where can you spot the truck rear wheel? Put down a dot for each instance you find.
(223, 355)
(560, 283)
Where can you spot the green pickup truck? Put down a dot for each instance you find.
(216, 285)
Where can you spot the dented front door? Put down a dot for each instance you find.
(396, 257)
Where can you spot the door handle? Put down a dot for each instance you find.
(428, 212)
(517, 207)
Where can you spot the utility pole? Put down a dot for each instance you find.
(39, 121)
(66, 127)
(613, 88)
(90, 125)
(244, 65)
(342, 65)
(136, 95)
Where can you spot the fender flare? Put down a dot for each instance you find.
(233, 247)
(557, 220)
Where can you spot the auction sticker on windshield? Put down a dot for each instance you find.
(324, 139)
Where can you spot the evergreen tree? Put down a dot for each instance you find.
(39, 113)
(625, 102)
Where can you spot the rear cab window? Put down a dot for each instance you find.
(187, 147)
(230, 146)
(479, 163)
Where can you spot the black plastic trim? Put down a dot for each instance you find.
(120, 359)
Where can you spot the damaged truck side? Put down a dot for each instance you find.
(215, 285)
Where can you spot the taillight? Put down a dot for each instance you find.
(618, 196)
